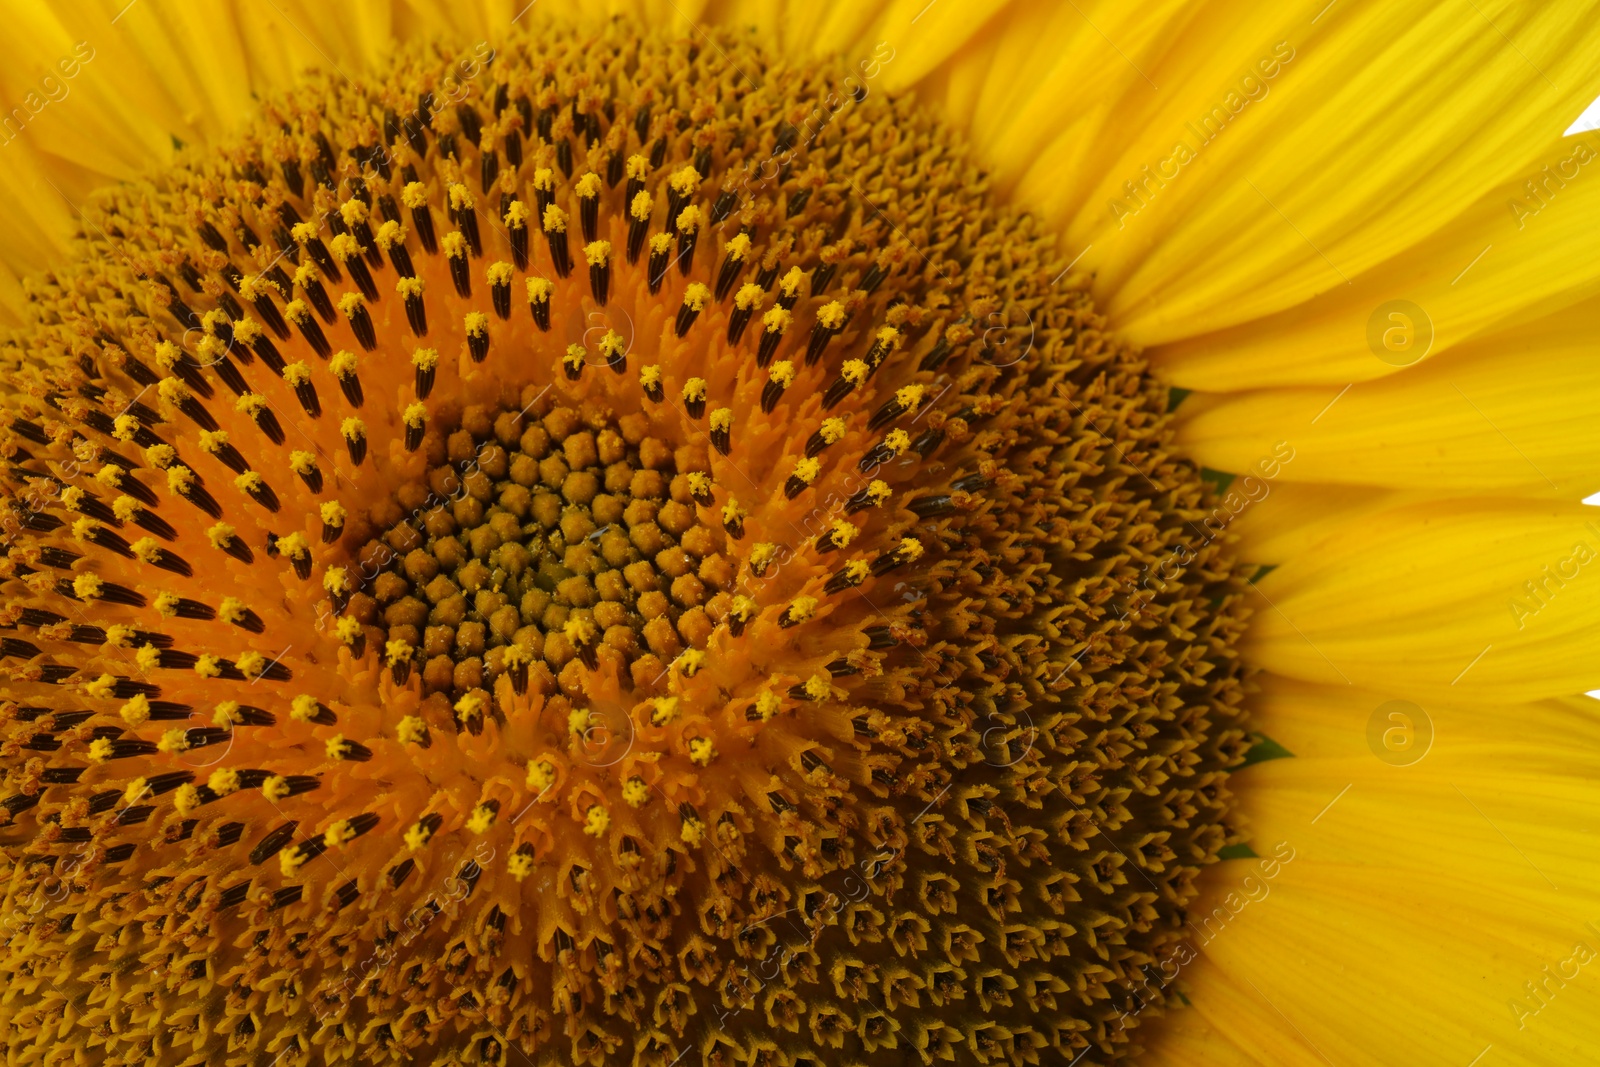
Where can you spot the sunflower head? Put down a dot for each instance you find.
(627, 563)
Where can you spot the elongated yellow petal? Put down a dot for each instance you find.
(1479, 600)
(1446, 885)
(1511, 413)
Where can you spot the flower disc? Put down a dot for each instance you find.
(613, 549)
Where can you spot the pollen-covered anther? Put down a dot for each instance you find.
(415, 418)
(693, 396)
(499, 276)
(695, 298)
(425, 366)
(779, 378)
(476, 326)
(598, 255)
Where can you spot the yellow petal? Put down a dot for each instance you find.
(1443, 885)
(1514, 413)
(1475, 600)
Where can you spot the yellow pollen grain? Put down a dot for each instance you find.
(109, 476)
(910, 396)
(160, 456)
(818, 687)
(597, 253)
(120, 635)
(831, 315)
(749, 297)
(335, 747)
(541, 775)
(148, 549)
(576, 356)
(302, 462)
(476, 323)
(635, 791)
(802, 608)
(694, 389)
(516, 216)
(125, 427)
(417, 837)
(303, 231)
(689, 662)
(460, 197)
(806, 469)
(344, 247)
(555, 220)
(294, 545)
(897, 441)
(220, 535)
(290, 860)
(180, 479)
(296, 373)
(409, 287)
(136, 791)
(397, 651)
(596, 821)
(167, 354)
(250, 403)
(660, 243)
(136, 712)
(702, 751)
(689, 219)
(878, 492)
(207, 666)
(213, 441)
(306, 273)
(539, 290)
(275, 788)
(776, 319)
(684, 180)
(174, 741)
(692, 833)
(148, 657)
(87, 586)
(339, 834)
(544, 179)
(469, 707)
(351, 303)
(842, 533)
(454, 244)
(782, 373)
(767, 705)
(588, 187)
(101, 687)
(186, 799)
(391, 233)
(414, 195)
(637, 167)
(304, 708)
(411, 730)
(424, 358)
(696, 296)
(247, 482)
(737, 247)
(415, 415)
(641, 207)
(499, 273)
(481, 819)
(348, 629)
(790, 283)
(352, 429)
(100, 749)
(665, 709)
(353, 211)
(223, 782)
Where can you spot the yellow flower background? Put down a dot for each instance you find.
(1357, 240)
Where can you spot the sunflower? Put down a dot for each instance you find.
(765, 533)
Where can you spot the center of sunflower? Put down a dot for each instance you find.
(704, 587)
(549, 535)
